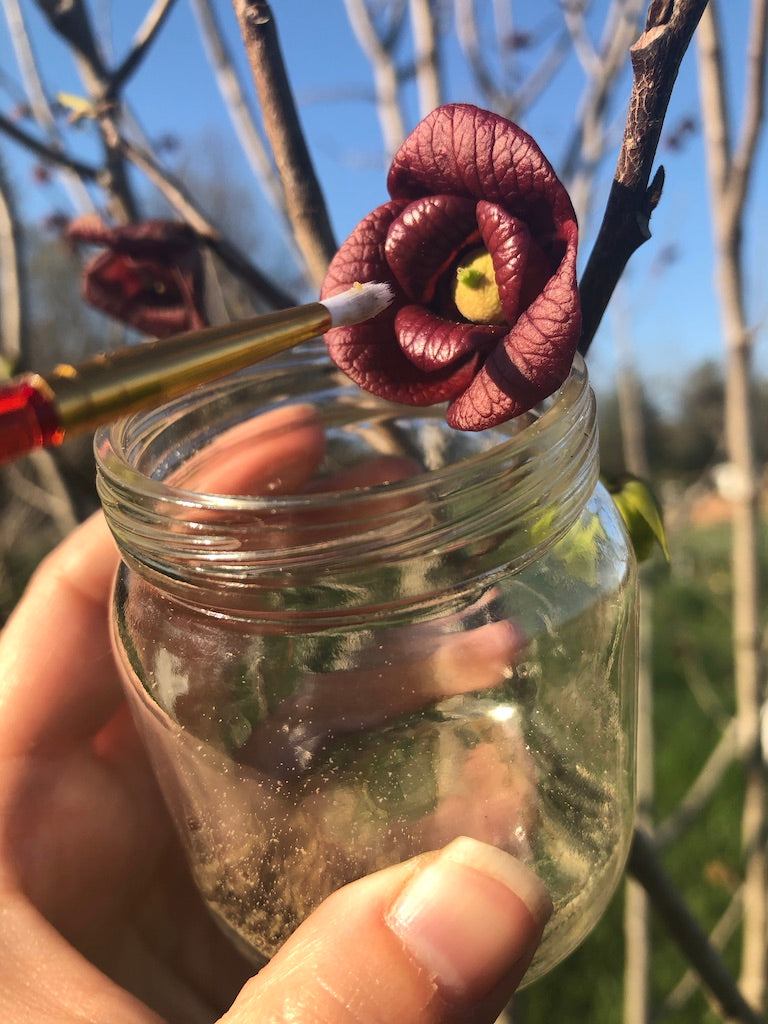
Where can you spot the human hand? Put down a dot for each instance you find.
(99, 921)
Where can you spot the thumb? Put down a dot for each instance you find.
(442, 937)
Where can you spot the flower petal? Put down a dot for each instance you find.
(533, 360)
(432, 342)
(368, 353)
(150, 277)
(462, 150)
(508, 240)
(426, 239)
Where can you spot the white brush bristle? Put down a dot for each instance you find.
(358, 303)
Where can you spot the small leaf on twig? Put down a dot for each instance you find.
(641, 511)
(78, 107)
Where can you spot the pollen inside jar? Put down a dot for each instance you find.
(349, 633)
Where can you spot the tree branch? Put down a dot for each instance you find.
(729, 185)
(70, 19)
(385, 77)
(742, 160)
(716, 121)
(237, 106)
(303, 196)
(40, 105)
(588, 142)
(426, 56)
(185, 206)
(722, 932)
(46, 152)
(701, 790)
(656, 58)
(12, 282)
(243, 122)
(145, 36)
(645, 866)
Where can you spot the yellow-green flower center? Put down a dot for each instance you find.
(475, 291)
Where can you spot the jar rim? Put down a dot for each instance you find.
(115, 442)
(525, 482)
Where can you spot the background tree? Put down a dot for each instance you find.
(512, 61)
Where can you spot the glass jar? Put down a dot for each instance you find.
(349, 633)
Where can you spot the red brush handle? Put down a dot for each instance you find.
(28, 417)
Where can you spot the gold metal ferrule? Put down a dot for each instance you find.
(150, 373)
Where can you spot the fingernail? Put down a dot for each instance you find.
(470, 917)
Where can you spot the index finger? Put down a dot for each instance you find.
(58, 681)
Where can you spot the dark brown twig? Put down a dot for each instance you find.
(304, 199)
(646, 867)
(71, 20)
(47, 153)
(145, 36)
(656, 58)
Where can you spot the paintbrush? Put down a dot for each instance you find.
(38, 411)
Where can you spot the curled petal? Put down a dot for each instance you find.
(368, 352)
(152, 296)
(150, 276)
(508, 240)
(432, 342)
(461, 150)
(426, 239)
(532, 361)
(145, 238)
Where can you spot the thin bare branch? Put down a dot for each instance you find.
(50, 154)
(510, 104)
(534, 85)
(54, 498)
(656, 58)
(742, 162)
(12, 305)
(39, 105)
(237, 104)
(243, 122)
(722, 932)
(466, 32)
(185, 206)
(71, 20)
(693, 942)
(575, 22)
(701, 791)
(385, 76)
(702, 689)
(588, 143)
(145, 36)
(426, 55)
(729, 186)
(304, 198)
(717, 121)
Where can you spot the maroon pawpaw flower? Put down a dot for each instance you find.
(472, 194)
(150, 277)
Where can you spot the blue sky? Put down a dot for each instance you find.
(670, 314)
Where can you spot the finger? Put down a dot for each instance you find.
(59, 681)
(45, 981)
(275, 453)
(394, 684)
(445, 937)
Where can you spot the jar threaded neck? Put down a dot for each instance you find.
(525, 482)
